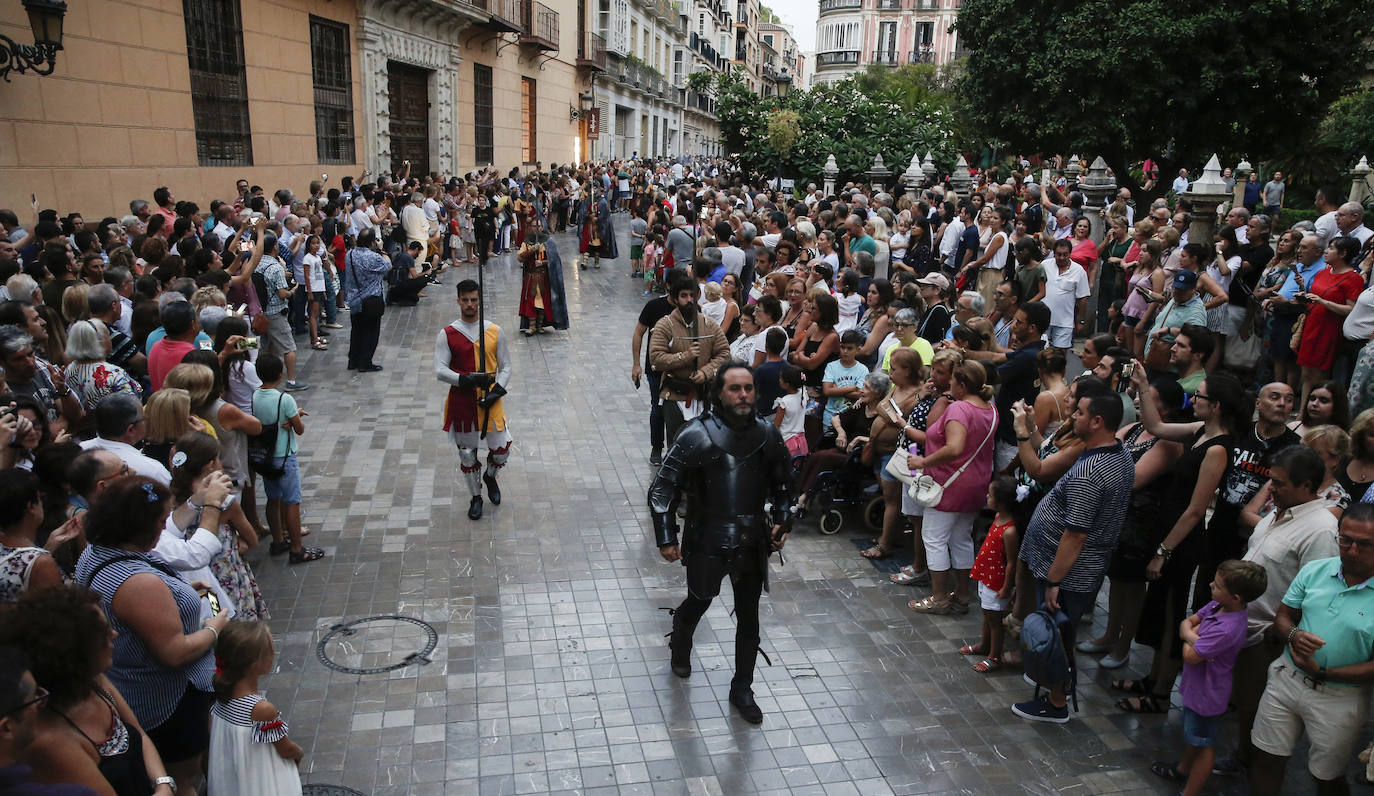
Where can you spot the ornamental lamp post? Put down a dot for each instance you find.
(45, 19)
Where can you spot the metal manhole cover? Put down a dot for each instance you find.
(377, 644)
(329, 790)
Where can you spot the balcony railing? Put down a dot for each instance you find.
(841, 5)
(838, 58)
(927, 5)
(890, 5)
(507, 16)
(886, 57)
(924, 55)
(592, 53)
(541, 26)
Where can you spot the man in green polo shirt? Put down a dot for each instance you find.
(1322, 682)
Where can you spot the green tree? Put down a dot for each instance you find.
(1130, 79)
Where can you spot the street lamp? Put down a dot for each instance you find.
(45, 18)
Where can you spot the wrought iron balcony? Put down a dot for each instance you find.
(891, 5)
(928, 5)
(592, 53)
(505, 16)
(886, 57)
(541, 27)
(838, 58)
(923, 55)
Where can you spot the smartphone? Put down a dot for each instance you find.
(213, 599)
(248, 343)
(1143, 292)
(245, 246)
(895, 407)
(1127, 371)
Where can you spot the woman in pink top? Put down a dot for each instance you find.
(959, 448)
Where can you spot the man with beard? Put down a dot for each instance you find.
(476, 366)
(728, 462)
(687, 348)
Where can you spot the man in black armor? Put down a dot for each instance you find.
(727, 463)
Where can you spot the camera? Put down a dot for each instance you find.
(248, 344)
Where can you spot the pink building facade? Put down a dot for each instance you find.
(852, 34)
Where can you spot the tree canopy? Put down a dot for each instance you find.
(898, 114)
(1130, 79)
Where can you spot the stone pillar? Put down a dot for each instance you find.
(878, 174)
(1242, 175)
(913, 177)
(960, 179)
(1206, 194)
(1098, 188)
(1071, 173)
(929, 169)
(830, 172)
(1359, 187)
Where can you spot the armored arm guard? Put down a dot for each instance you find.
(677, 465)
(777, 462)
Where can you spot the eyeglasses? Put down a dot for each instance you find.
(40, 696)
(1200, 397)
(1358, 544)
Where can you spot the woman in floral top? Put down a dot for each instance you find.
(89, 376)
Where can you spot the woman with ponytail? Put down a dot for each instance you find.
(250, 753)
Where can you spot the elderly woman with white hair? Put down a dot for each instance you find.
(89, 376)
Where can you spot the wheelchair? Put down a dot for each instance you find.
(848, 485)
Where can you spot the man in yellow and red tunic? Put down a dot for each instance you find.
(473, 412)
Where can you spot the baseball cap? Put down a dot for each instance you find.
(937, 280)
(1184, 280)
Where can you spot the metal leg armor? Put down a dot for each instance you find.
(472, 470)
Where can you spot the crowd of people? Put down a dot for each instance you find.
(1210, 465)
(1211, 461)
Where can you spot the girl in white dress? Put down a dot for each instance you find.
(250, 754)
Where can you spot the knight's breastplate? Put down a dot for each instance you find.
(727, 510)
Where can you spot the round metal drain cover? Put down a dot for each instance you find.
(377, 644)
(329, 790)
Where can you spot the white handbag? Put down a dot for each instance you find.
(924, 489)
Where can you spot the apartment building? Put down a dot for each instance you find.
(853, 34)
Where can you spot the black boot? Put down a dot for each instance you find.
(743, 699)
(475, 508)
(680, 645)
(493, 490)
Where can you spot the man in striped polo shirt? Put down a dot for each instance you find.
(1069, 540)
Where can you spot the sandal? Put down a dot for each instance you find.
(320, 345)
(1148, 704)
(277, 548)
(876, 553)
(989, 664)
(972, 649)
(306, 555)
(1144, 686)
(1168, 771)
(930, 605)
(908, 576)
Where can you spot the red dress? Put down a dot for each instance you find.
(1321, 332)
(990, 565)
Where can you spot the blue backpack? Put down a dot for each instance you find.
(1042, 651)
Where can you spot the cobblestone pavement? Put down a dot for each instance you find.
(551, 669)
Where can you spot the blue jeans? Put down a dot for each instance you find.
(287, 488)
(331, 307)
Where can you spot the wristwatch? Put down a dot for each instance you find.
(1164, 552)
(165, 780)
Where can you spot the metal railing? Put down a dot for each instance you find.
(890, 5)
(837, 58)
(592, 53)
(506, 15)
(541, 26)
(885, 57)
(924, 55)
(840, 5)
(927, 5)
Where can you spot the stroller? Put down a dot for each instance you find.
(850, 484)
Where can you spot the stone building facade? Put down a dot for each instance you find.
(851, 35)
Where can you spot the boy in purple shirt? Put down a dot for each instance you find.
(1212, 638)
